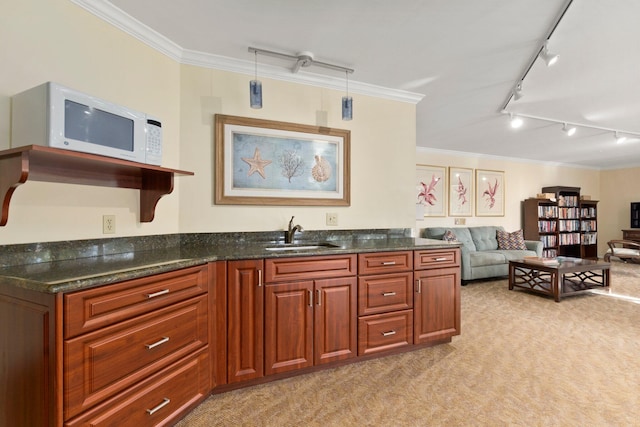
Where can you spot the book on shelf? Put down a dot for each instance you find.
(541, 260)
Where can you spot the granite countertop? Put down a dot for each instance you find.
(89, 271)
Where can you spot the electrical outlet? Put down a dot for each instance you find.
(460, 221)
(108, 224)
(332, 219)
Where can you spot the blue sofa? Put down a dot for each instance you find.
(480, 256)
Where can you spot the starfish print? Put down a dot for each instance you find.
(256, 163)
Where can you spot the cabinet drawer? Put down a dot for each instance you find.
(385, 262)
(437, 258)
(317, 267)
(385, 292)
(101, 363)
(86, 311)
(159, 400)
(382, 332)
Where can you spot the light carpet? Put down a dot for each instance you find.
(522, 360)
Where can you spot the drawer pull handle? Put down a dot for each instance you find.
(155, 344)
(157, 294)
(419, 286)
(259, 278)
(388, 334)
(388, 263)
(164, 403)
(319, 296)
(310, 298)
(440, 259)
(388, 294)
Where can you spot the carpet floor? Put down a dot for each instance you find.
(521, 360)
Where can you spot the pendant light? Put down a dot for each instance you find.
(347, 102)
(255, 88)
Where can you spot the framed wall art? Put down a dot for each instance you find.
(431, 189)
(264, 162)
(460, 191)
(489, 193)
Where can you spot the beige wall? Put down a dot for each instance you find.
(382, 145)
(59, 41)
(55, 40)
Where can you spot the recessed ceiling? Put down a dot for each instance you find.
(465, 57)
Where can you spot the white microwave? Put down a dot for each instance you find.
(56, 116)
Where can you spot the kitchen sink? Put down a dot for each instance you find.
(301, 246)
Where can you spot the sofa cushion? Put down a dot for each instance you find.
(517, 255)
(484, 237)
(510, 241)
(483, 258)
(462, 234)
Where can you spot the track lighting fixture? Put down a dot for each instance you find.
(516, 121)
(619, 138)
(303, 60)
(255, 88)
(569, 130)
(517, 92)
(548, 57)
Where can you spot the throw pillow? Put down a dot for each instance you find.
(511, 241)
(449, 236)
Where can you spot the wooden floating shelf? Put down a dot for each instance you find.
(39, 163)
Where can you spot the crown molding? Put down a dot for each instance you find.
(115, 16)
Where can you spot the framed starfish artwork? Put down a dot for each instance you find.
(264, 162)
(431, 188)
(460, 191)
(489, 193)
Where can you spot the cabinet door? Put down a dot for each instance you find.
(335, 319)
(436, 304)
(245, 320)
(288, 337)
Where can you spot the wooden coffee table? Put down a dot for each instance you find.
(571, 276)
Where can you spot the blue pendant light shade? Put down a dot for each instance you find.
(255, 89)
(347, 103)
(255, 93)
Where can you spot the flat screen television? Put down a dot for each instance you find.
(635, 214)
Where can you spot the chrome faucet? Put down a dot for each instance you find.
(291, 232)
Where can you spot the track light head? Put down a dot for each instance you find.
(517, 92)
(569, 130)
(516, 121)
(619, 138)
(548, 57)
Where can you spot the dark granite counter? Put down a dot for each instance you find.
(68, 266)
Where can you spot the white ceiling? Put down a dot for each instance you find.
(462, 58)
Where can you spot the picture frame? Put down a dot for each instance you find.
(460, 191)
(490, 191)
(431, 189)
(265, 162)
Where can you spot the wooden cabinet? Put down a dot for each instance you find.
(118, 336)
(436, 310)
(311, 320)
(245, 320)
(135, 350)
(633, 235)
(385, 301)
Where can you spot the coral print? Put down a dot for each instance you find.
(462, 192)
(426, 192)
(490, 194)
